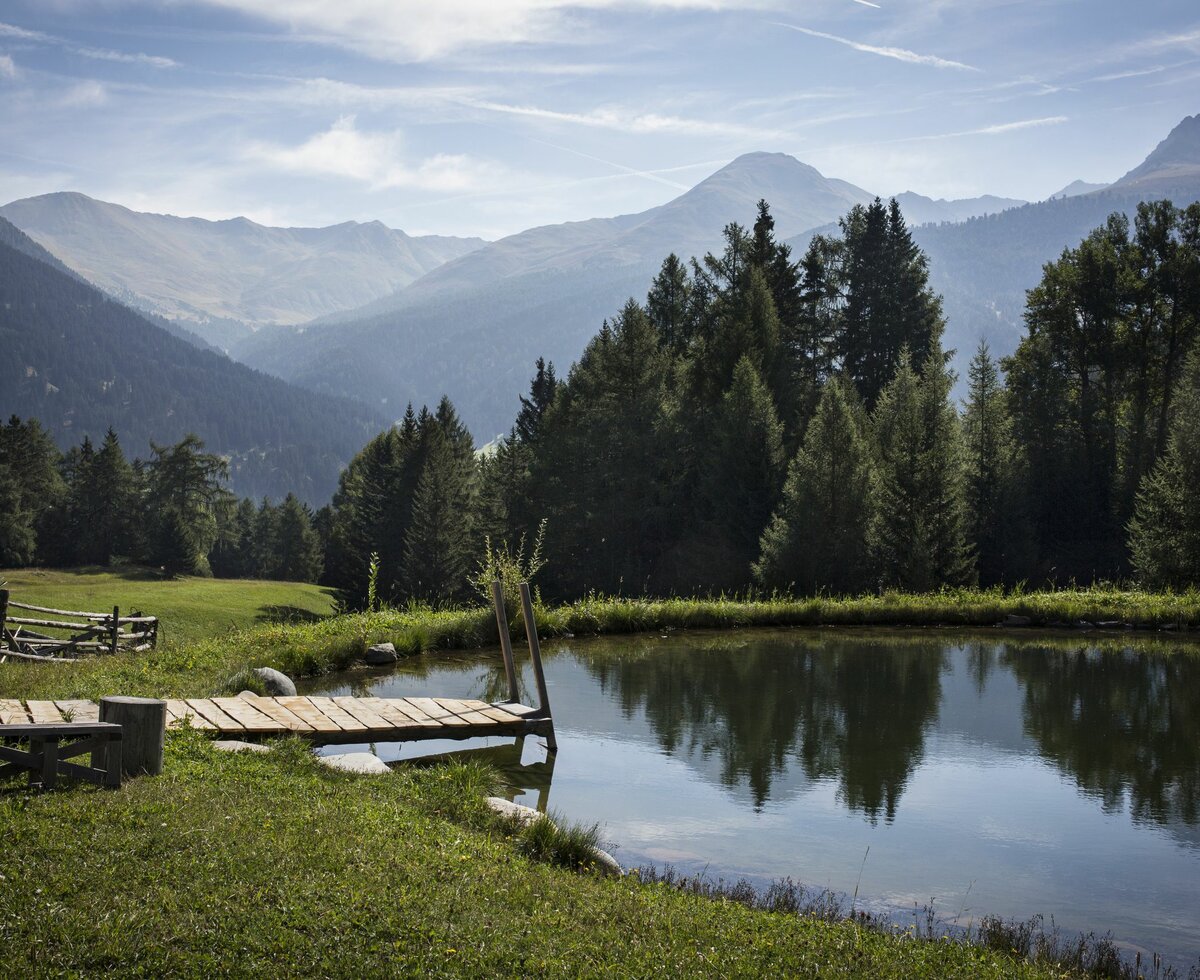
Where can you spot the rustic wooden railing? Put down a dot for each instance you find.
(83, 633)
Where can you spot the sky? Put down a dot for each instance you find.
(486, 117)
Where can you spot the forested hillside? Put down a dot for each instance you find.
(82, 363)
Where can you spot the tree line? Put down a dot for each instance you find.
(93, 506)
(760, 420)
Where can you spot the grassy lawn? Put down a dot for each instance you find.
(274, 866)
(188, 608)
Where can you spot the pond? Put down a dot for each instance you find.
(1052, 776)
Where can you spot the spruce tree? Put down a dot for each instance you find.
(669, 305)
(440, 545)
(1164, 533)
(817, 538)
(919, 530)
(987, 446)
(744, 471)
(297, 552)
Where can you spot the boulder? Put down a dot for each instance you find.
(607, 864)
(520, 813)
(233, 745)
(381, 654)
(365, 763)
(278, 685)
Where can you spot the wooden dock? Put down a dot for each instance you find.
(322, 720)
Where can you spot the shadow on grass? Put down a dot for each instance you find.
(288, 614)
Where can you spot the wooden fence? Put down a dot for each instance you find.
(84, 632)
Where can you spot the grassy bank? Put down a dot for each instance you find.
(189, 608)
(212, 665)
(272, 865)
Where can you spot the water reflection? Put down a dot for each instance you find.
(847, 710)
(1126, 727)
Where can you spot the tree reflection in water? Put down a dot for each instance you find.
(855, 709)
(1123, 725)
(848, 709)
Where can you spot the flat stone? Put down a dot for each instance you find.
(519, 812)
(381, 654)
(1014, 620)
(233, 745)
(361, 762)
(278, 684)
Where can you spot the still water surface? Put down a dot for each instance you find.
(1059, 777)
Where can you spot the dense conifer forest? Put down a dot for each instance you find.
(760, 420)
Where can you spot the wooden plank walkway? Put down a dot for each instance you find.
(320, 719)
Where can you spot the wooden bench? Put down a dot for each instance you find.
(51, 745)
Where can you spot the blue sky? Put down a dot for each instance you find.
(490, 116)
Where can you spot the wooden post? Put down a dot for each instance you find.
(506, 649)
(116, 626)
(3, 616)
(535, 650)
(143, 724)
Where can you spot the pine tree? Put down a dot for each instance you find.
(817, 538)
(744, 471)
(440, 545)
(1164, 533)
(987, 446)
(919, 532)
(541, 396)
(297, 553)
(669, 305)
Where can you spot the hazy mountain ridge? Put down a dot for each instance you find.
(205, 271)
(921, 210)
(79, 362)
(547, 290)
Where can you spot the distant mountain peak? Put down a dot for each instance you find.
(1178, 154)
(1075, 189)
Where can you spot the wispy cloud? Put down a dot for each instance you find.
(7, 68)
(84, 94)
(899, 54)
(99, 54)
(104, 54)
(627, 121)
(867, 3)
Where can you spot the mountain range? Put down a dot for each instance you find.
(214, 274)
(80, 362)
(366, 312)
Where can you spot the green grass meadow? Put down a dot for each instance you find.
(273, 865)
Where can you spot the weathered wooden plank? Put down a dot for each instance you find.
(179, 710)
(434, 709)
(12, 712)
(80, 710)
(246, 715)
(404, 707)
(288, 719)
(45, 713)
(362, 710)
(460, 709)
(301, 707)
(214, 715)
(397, 717)
(344, 721)
(52, 622)
(57, 612)
(499, 714)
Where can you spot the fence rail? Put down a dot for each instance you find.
(84, 632)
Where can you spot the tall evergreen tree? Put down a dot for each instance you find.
(817, 538)
(185, 491)
(669, 305)
(36, 490)
(744, 471)
(1164, 534)
(919, 532)
(987, 447)
(297, 552)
